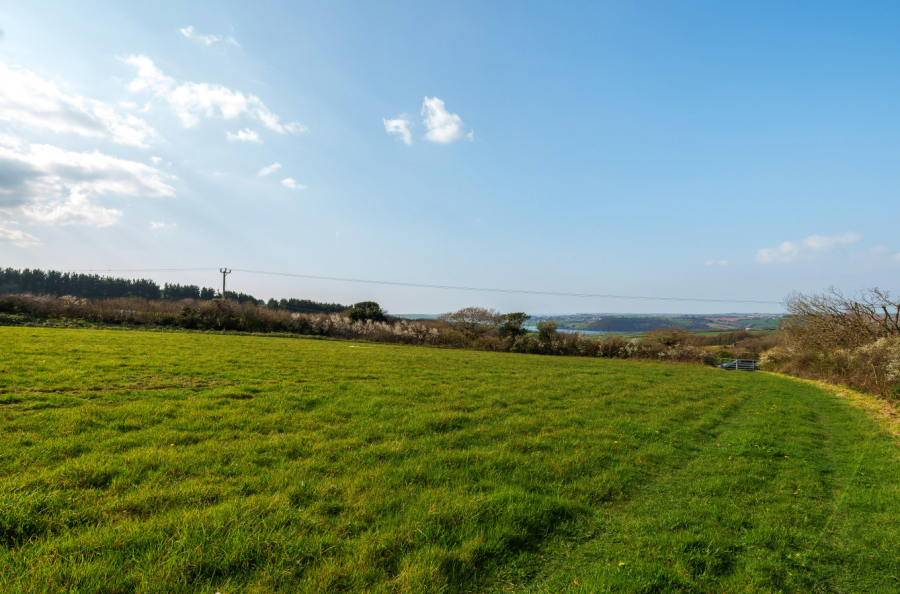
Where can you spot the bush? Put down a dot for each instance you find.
(366, 311)
(753, 346)
(547, 332)
(512, 325)
(667, 337)
(851, 341)
(614, 346)
(472, 322)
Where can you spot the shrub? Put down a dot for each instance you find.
(512, 324)
(472, 322)
(667, 337)
(614, 346)
(852, 341)
(687, 354)
(366, 310)
(547, 332)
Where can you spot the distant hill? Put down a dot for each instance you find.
(643, 324)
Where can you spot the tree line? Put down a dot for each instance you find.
(54, 283)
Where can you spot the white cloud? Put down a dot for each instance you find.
(55, 186)
(190, 33)
(191, 100)
(399, 126)
(471, 135)
(813, 245)
(292, 184)
(17, 237)
(26, 98)
(149, 78)
(159, 225)
(269, 169)
(295, 128)
(245, 135)
(716, 263)
(443, 126)
(156, 160)
(128, 104)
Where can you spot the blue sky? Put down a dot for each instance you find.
(693, 149)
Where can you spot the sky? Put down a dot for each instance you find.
(695, 150)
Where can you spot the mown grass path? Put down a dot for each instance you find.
(152, 462)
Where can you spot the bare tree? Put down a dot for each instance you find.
(473, 322)
(833, 320)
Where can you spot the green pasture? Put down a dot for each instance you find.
(154, 462)
(752, 333)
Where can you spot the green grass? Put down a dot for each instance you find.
(753, 333)
(153, 462)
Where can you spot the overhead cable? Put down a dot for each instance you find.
(452, 287)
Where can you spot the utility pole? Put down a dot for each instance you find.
(224, 272)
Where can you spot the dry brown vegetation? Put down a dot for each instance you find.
(851, 340)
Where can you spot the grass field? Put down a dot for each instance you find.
(718, 332)
(154, 462)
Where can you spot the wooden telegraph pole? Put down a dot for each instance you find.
(224, 272)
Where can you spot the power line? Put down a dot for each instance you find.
(453, 287)
(492, 290)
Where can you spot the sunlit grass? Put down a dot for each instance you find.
(152, 462)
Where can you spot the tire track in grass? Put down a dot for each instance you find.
(603, 525)
(740, 515)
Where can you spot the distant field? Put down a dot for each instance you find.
(761, 323)
(154, 462)
(642, 324)
(758, 332)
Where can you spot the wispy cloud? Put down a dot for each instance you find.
(269, 169)
(55, 186)
(160, 225)
(28, 99)
(292, 184)
(810, 247)
(17, 237)
(716, 263)
(400, 126)
(190, 100)
(443, 127)
(192, 34)
(245, 135)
